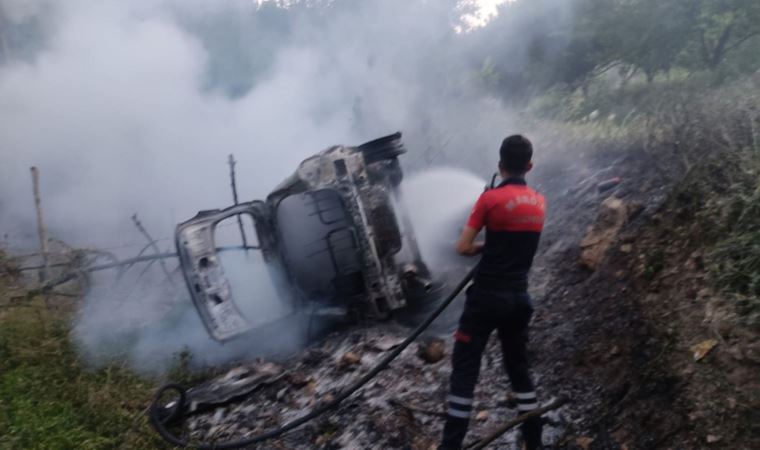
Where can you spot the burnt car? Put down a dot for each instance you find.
(333, 238)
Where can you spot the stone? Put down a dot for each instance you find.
(584, 442)
(606, 185)
(752, 352)
(701, 350)
(298, 380)
(612, 215)
(350, 359)
(432, 351)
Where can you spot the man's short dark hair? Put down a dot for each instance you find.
(516, 152)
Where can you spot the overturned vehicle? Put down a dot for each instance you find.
(332, 239)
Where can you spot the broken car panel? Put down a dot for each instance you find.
(204, 273)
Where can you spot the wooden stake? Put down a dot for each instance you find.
(233, 184)
(65, 278)
(42, 233)
(152, 243)
(4, 53)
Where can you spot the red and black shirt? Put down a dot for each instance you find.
(513, 215)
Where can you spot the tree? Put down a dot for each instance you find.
(723, 26)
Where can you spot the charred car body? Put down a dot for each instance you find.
(334, 236)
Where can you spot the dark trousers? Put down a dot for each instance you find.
(485, 310)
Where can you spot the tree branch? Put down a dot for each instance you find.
(513, 423)
(704, 47)
(741, 41)
(720, 48)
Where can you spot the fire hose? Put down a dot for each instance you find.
(159, 423)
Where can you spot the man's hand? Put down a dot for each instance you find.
(466, 244)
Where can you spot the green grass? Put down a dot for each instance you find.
(50, 399)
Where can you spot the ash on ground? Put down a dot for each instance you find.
(402, 408)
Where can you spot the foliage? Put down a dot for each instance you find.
(50, 399)
(530, 47)
(545, 43)
(715, 134)
(723, 26)
(736, 257)
(720, 196)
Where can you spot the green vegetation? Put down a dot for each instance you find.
(50, 399)
(716, 134)
(736, 257)
(733, 208)
(573, 43)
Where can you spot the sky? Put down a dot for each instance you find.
(486, 10)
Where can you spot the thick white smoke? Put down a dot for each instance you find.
(115, 115)
(116, 108)
(439, 202)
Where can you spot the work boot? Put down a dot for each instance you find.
(531, 431)
(453, 433)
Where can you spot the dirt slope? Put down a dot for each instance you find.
(622, 340)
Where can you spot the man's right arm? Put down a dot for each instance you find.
(466, 244)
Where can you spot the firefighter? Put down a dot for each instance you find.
(513, 216)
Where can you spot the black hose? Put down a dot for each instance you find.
(159, 424)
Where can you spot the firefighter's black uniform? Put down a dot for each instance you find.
(513, 215)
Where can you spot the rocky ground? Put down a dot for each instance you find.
(653, 356)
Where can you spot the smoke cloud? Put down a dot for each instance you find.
(133, 107)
